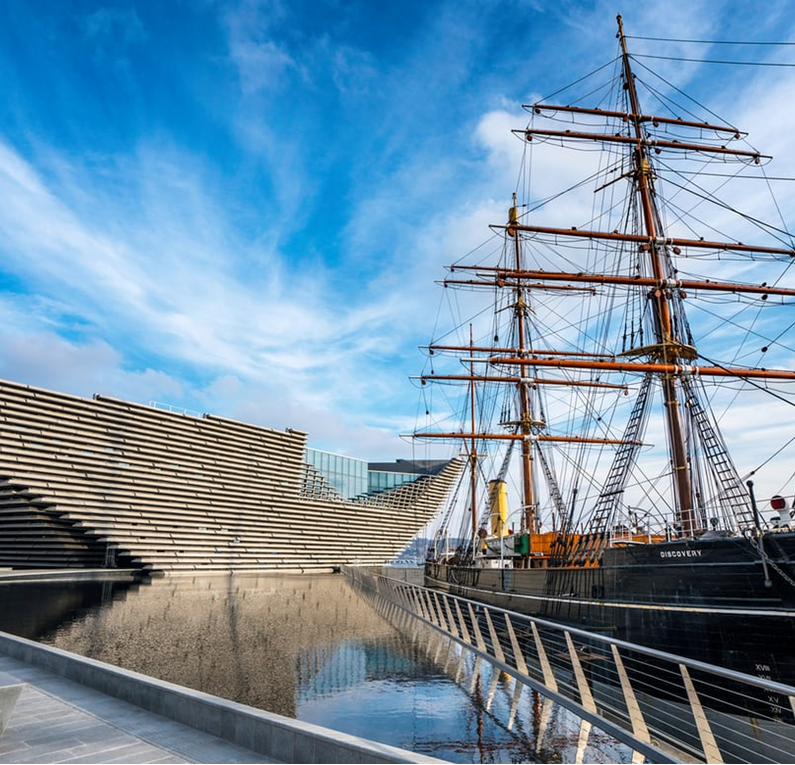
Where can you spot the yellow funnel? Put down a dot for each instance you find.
(498, 501)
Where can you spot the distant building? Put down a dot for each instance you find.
(353, 477)
(390, 475)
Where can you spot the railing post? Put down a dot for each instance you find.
(520, 664)
(438, 617)
(476, 629)
(518, 656)
(464, 630)
(498, 654)
(586, 697)
(495, 641)
(546, 668)
(710, 746)
(639, 728)
(481, 646)
(450, 618)
(464, 636)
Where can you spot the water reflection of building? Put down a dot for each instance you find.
(237, 636)
(326, 669)
(101, 482)
(34, 609)
(267, 641)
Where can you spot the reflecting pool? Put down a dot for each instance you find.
(305, 646)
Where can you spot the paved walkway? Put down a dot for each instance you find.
(57, 720)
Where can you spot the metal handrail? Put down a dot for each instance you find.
(666, 708)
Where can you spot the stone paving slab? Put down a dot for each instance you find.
(59, 721)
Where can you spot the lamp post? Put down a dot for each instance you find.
(649, 513)
(503, 532)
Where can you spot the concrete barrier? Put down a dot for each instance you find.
(278, 738)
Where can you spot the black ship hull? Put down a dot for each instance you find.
(719, 601)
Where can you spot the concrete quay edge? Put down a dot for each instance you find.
(278, 738)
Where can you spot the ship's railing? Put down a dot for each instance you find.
(665, 708)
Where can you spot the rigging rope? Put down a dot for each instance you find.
(708, 42)
(714, 61)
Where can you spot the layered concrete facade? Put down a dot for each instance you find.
(106, 483)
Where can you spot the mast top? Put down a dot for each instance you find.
(513, 213)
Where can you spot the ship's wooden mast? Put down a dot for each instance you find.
(526, 421)
(473, 444)
(662, 312)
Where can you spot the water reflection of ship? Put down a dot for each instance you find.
(335, 674)
(537, 730)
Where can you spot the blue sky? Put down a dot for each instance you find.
(241, 207)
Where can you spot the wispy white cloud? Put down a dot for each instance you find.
(171, 282)
(114, 28)
(271, 254)
(260, 60)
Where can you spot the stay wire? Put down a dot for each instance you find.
(708, 42)
(682, 93)
(581, 79)
(714, 61)
(749, 381)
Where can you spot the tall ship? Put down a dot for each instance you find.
(624, 394)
